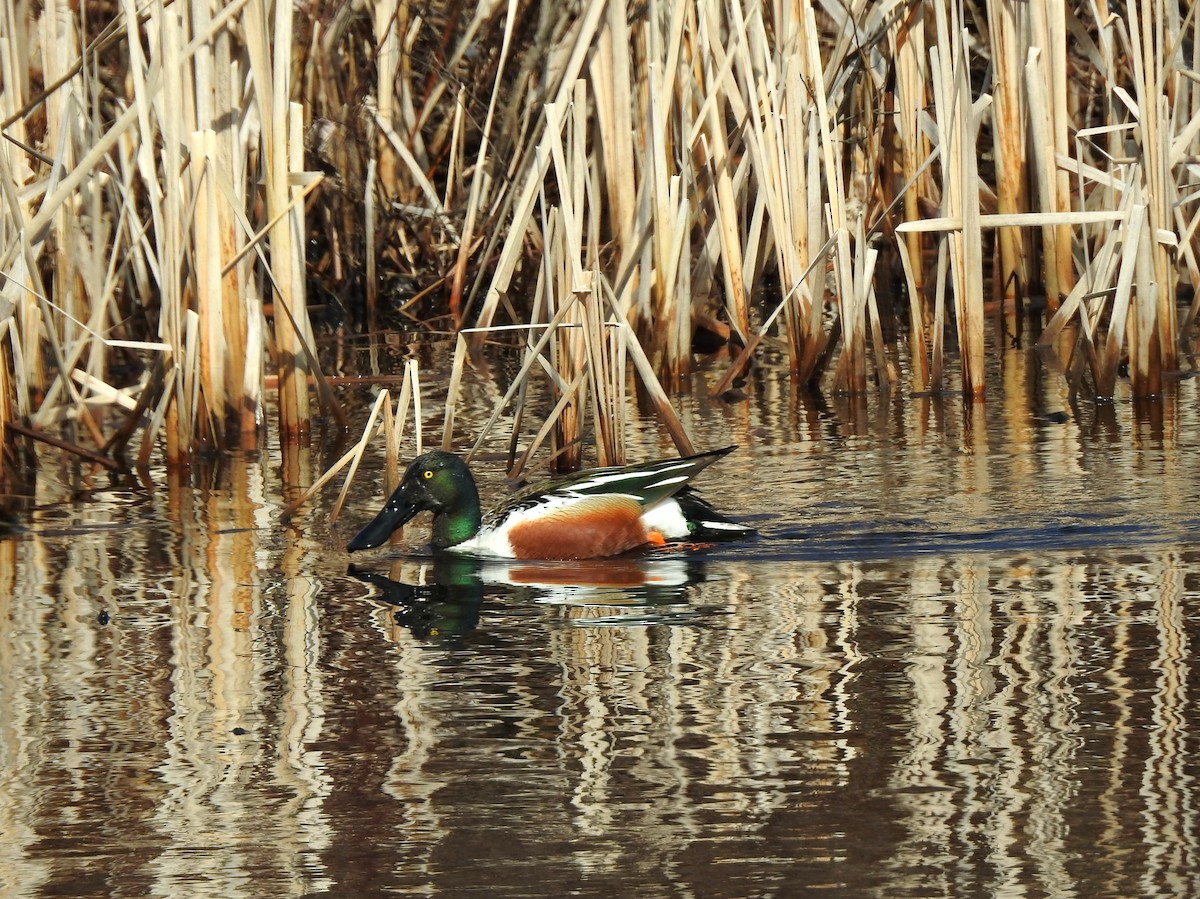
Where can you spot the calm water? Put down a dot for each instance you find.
(956, 662)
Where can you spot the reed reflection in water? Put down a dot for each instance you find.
(901, 688)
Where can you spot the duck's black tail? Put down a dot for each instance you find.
(706, 523)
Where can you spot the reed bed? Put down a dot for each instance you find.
(182, 181)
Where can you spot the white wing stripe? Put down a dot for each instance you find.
(633, 477)
(665, 482)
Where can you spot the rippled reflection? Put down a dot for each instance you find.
(948, 667)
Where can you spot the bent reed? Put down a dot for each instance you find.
(181, 181)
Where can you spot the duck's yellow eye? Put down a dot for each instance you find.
(427, 473)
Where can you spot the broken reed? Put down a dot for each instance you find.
(592, 171)
(131, 240)
(756, 137)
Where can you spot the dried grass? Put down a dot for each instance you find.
(606, 173)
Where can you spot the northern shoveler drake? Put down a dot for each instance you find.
(589, 515)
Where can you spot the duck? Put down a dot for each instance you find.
(592, 514)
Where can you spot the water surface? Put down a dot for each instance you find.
(955, 662)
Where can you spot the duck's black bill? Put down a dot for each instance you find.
(394, 514)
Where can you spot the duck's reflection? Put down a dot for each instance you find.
(440, 598)
(441, 601)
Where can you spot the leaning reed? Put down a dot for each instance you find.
(180, 179)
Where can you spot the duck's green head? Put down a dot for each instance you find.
(435, 482)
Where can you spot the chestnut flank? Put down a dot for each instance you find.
(588, 529)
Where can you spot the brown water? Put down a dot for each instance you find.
(956, 662)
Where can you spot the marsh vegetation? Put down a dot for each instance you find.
(194, 192)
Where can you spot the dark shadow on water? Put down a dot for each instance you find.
(896, 540)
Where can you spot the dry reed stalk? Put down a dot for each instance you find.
(606, 420)
(7, 421)
(668, 176)
(775, 124)
(740, 363)
(918, 352)
(207, 246)
(232, 396)
(533, 356)
(1131, 242)
(1153, 348)
(969, 294)
(910, 58)
(1042, 130)
(1054, 39)
(851, 76)
(479, 183)
(612, 81)
(958, 121)
(351, 457)
(1146, 353)
(392, 426)
(415, 171)
(1187, 230)
(230, 332)
(458, 365)
(165, 122)
(1094, 283)
(1008, 28)
(8, 401)
(669, 295)
(369, 216)
(565, 366)
(387, 18)
(721, 164)
(74, 338)
(1187, 111)
(937, 359)
(60, 48)
(69, 359)
(268, 43)
(624, 347)
(76, 271)
(456, 154)
(727, 49)
(561, 77)
(1142, 323)
(752, 138)
(1105, 191)
(101, 392)
(189, 377)
(850, 375)
(886, 372)
(578, 365)
(657, 396)
(11, 358)
(850, 324)
(604, 355)
(1187, 210)
(17, 44)
(410, 394)
(566, 281)
(783, 202)
(606, 374)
